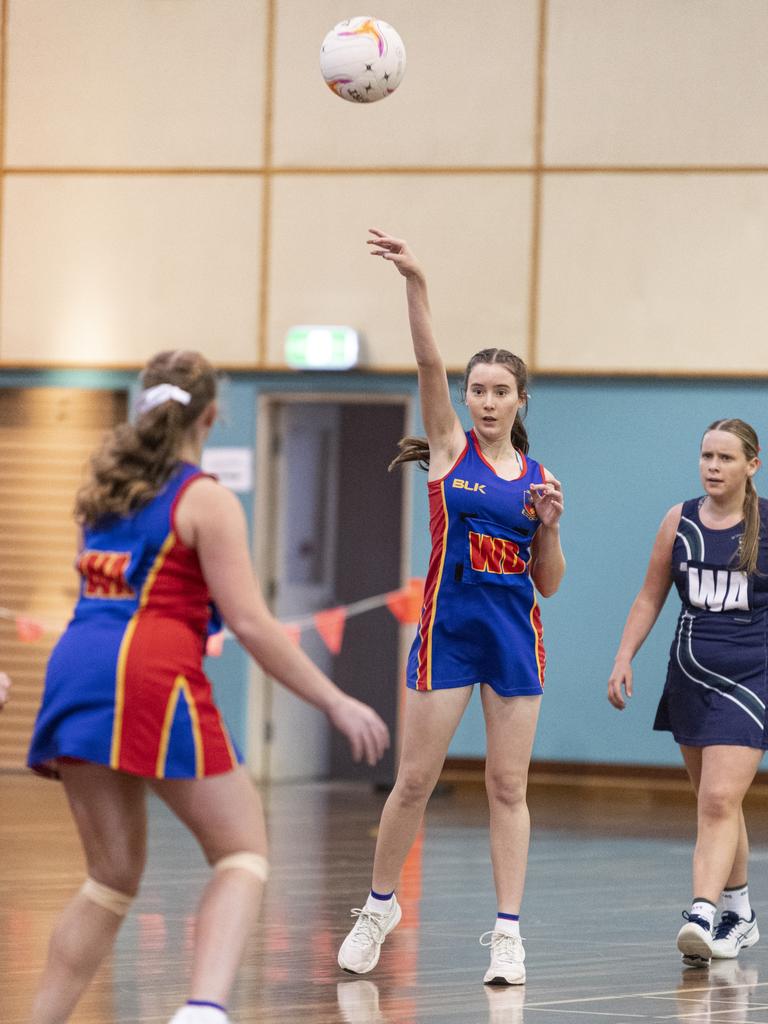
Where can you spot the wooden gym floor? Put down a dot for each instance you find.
(608, 878)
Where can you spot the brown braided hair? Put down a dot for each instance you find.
(416, 449)
(136, 458)
(749, 545)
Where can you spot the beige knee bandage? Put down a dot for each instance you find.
(252, 862)
(110, 899)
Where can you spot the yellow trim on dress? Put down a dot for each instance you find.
(180, 685)
(437, 586)
(536, 640)
(117, 725)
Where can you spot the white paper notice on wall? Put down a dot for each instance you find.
(233, 467)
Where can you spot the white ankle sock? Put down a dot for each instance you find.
(736, 901)
(379, 906)
(705, 909)
(199, 1015)
(503, 924)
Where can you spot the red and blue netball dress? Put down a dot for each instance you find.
(480, 621)
(125, 685)
(717, 681)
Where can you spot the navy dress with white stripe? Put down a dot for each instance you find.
(717, 680)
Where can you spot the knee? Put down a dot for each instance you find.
(413, 787)
(120, 870)
(717, 804)
(255, 865)
(507, 789)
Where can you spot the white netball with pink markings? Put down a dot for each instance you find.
(362, 59)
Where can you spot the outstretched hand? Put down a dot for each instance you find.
(396, 250)
(366, 732)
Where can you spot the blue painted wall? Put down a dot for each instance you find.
(625, 451)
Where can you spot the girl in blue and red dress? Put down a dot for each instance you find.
(128, 707)
(494, 524)
(714, 549)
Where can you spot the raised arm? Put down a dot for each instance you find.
(645, 608)
(210, 519)
(444, 431)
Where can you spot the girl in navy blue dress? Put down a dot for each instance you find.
(715, 550)
(494, 525)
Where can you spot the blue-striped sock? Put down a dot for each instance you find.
(379, 901)
(508, 923)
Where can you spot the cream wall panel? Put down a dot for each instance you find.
(135, 82)
(109, 270)
(657, 82)
(467, 97)
(471, 233)
(654, 272)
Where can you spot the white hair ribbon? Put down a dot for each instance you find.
(160, 393)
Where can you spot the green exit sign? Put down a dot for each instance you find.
(322, 347)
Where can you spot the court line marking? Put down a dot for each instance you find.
(636, 995)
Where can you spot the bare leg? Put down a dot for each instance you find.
(109, 811)
(510, 724)
(224, 813)
(430, 722)
(740, 869)
(725, 775)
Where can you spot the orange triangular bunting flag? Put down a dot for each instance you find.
(28, 630)
(293, 633)
(405, 604)
(330, 625)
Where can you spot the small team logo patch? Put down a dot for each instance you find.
(103, 574)
(529, 511)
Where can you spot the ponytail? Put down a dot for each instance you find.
(137, 458)
(749, 545)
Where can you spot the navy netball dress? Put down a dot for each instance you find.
(717, 681)
(480, 620)
(125, 685)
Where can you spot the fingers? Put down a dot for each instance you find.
(385, 241)
(355, 745)
(375, 737)
(616, 684)
(366, 733)
(615, 698)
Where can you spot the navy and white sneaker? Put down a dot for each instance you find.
(694, 940)
(732, 934)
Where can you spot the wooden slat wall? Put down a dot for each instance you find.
(46, 437)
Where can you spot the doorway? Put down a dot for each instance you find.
(336, 520)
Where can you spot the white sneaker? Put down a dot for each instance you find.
(507, 955)
(694, 940)
(732, 934)
(360, 950)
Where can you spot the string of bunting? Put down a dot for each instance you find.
(404, 604)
